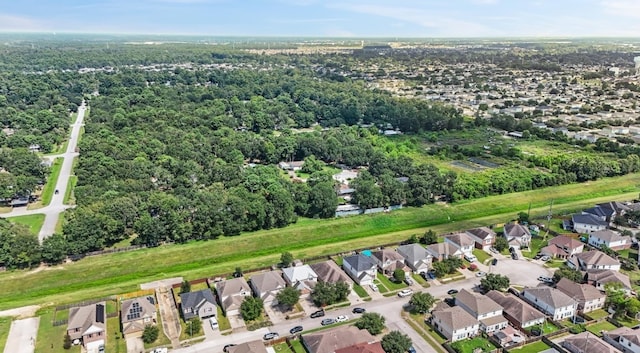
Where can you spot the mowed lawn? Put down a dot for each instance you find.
(34, 222)
(97, 276)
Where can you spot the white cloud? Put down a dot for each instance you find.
(15, 23)
(626, 8)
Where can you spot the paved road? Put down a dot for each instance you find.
(521, 272)
(53, 210)
(22, 336)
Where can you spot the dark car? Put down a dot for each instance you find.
(512, 250)
(326, 322)
(270, 336)
(514, 255)
(295, 330)
(226, 348)
(319, 313)
(358, 310)
(452, 291)
(57, 191)
(494, 262)
(411, 350)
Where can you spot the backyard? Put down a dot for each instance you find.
(601, 326)
(546, 328)
(531, 348)
(472, 345)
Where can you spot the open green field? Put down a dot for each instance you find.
(34, 222)
(97, 276)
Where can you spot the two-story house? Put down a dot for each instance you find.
(589, 298)
(137, 313)
(329, 272)
(361, 268)
(303, 278)
(461, 241)
(601, 278)
(517, 235)
(612, 240)
(562, 247)
(484, 237)
(519, 313)
(587, 223)
(416, 257)
(623, 338)
(455, 323)
(551, 301)
(388, 261)
(88, 324)
(442, 251)
(231, 294)
(483, 309)
(587, 342)
(593, 260)
(266, 286)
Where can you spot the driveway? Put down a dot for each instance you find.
(169, 316)
(135, 345)
(22, 336)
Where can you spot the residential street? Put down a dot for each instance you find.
(53, 210)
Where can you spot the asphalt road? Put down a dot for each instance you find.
(56, 206)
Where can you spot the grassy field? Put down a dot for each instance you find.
(98, 276)
(50, 187)
(34, 222)
(5, 325)
(50, 338)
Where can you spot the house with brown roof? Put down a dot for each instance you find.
(455, 323)
(612, 240)
(518, 312)
(587, 342)
(231, 294)
(416, 257)
(483, 309)
(88, 325)
(267, 285)
(332, 340)
(593, 260)
(517, 235)
(589, 298)
(137, 313)
(562, 247)
(375, 347)
(551, 301)
(249, 347)
(441, 251)
(461, 241)
(623, 338)
(389, 261)
(329, 272)
(484, 237)
(600, 278)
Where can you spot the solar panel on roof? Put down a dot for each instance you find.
(99, 313)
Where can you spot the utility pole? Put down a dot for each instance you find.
(549, 215)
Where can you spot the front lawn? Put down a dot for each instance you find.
(601, 326)
(223, 322)
(536, 244)
(532, 348)
(481, 255)
(390, 285)
(361, 292)
(33, 221)
(420, 280)
(473, 345)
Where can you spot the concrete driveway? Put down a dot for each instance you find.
(22, 336)
(135, 345)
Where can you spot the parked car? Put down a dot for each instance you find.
(494, 262)
(157, 350)
(326, 322)
(358, 310)
(405, 293)
(315, 314)
(408, 281)
(545, 279)
(481, 274)
(545, 258)
(226, 348)
(342, 318)
(214, 322)
(514, 256)
(512, 250)
(374, 287)
(470, 258)
(270, 336)
(295, 330)
(411, 350)
(424, 275)
(494, 250)
(452, 291)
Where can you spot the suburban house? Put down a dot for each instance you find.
(302, 278)
(483, 236)
(441, 251)
(600, 278)
(329, 272)
(483, 309)
(593, 260)
(587, 342)
(389, 261)
(612, 240)
(587, 223)
(562, 247)
(231, 294)
(551, 301)
(375, 347)
(137, 313)
(249, 347)
(361, 268)
(608, 211)
(455, 323)
(332, 340)
(200, 304)
(267, 285)
(294, 165)
(416, 257)
(461, 241)
(517, 235)
(88, 324)
(589, 298)
(518, 312)
(623, 338)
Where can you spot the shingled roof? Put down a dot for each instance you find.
(479, 304)
(455, 317)
(329, 341)
(516, 308)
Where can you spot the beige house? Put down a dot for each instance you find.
(266, 286)
(231, 294)
(517, 235)
(587, 342)
(589, 298)
(455, 323)
(461, 241)
(593, 260)
(329, 341)
(416, 257)
(483, 309)
(88, 324)
(623, 338)
(518, 312)
(388, 261)
(137, 313)
(551, 301)
(249, 347)
(329, 272)
(600, 278)
(562, 247)
(483, 236)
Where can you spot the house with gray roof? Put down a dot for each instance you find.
(587, 223)
(593, 260)
(329, 341)
(517, 235)
(416, 257)
(389, 261)
(329, 272)
(302, 278)
(89, 325)
(267, 285)
(623, 338)
(200, 304)
(519, 313)
(587, 342)
(600, 278)
(612, 240)
(483, 237)
(589, 298)
(361, 268)
(455, 323)
(249, 347)
(231, 294)
(551, 301)
(483, 309)
(137, 313)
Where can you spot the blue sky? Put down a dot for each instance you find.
(348, 18)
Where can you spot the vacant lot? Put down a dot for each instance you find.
(34, 222)
(98, 276)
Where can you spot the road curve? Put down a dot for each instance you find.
(56, 206)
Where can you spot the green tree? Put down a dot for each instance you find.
(396, 342)
(421, 302)
(286, 259)
(150, 334)
(372, 322)
(193, 326)
(501, 244)
(440, 269)
(322, 200)
(494, 281)
(398, 275)
(312, 165)
(288, 297)
(251, 308)
(429, 237)
(523, 217)
(54, 249)
(66, 343)
(185, 287)
(325, 293)
(568, 273)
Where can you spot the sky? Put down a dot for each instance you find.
(328, 18)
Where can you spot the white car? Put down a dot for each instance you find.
(373, 287)
(405, 293)
(481, 274)
(342, 318)
(214, 323)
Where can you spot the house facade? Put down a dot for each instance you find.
(600, 278)
(88, 324)
(329, 272)
(416, 257)
(266, 286)
(455, 323)
(484, 309)
(612, 240)
(517, 235)
(484, 237)
(589, 298)
(302, 278)
(593, 260)
(137, 313)
(442, 251)
(362, 269)
(562, 247)
(388, 261)
(623, 338)
(551, 301)
(587, 342)
(200, 304)
(587, 223)
(461, 241)
(231, 293)
(518, 312)
(329, 341)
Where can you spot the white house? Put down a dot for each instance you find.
(587, 223)
(589, 297)
(455, 323)
(303, 278)
(600, 278)
(362, 269)
(517, 235)
(624, 338)
(461, 241)
(587, 342)
(612, 240)
(416, 257)
(551, 301)
(483, 309)
(517, 311)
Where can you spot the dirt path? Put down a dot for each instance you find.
(169, 315)
(22, 312)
